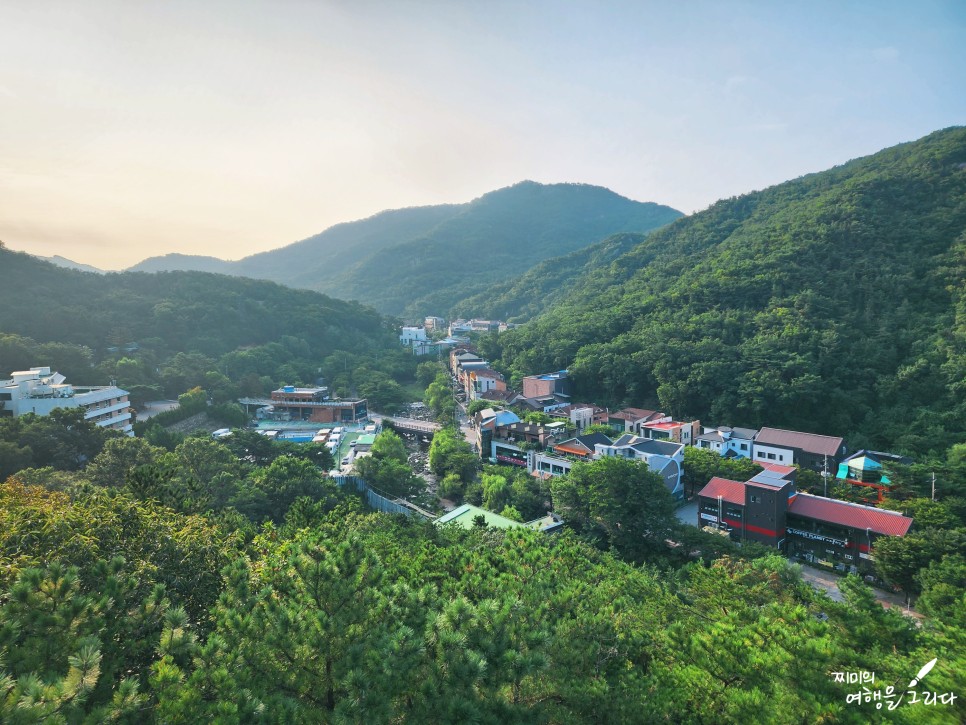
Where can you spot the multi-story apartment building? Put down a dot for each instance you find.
(40, 391)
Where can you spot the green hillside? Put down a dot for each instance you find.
(425, 260)
(830, 303)
(239, 336)
(497, 236)
(520, 298)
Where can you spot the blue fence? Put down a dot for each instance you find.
(378, 501)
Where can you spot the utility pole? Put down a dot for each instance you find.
(825, 474)
(933, 486)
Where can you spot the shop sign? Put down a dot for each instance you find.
(817, 537)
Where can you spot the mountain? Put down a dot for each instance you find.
(426, 259)
(71, 264)
(183, 263)
(166, 332)
(833, 303)
(543, 285)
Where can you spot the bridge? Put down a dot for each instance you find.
(408, 425)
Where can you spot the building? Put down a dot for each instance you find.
(40, 391)
(727, 442)
(460, 327)
(411, 335)
(864, 469)
(768, 510)
(511, 443)
(665, 458)
(434, 347)
(808, 450)
(434, 324)
(667, 429)
(547, 385)
(468, 516)
(290, 403)
(483, 380)
(581, 415)
(630, 420)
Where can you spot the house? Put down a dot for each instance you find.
(507, 397)
(543, 404)
(808, 450)
(410, 335)
(630, 420)
(667, 429)
(460, 357)
(663, 457)
(487, 421)
(864, 468)
(433, 324)
(482, 380)
(40, 391)
(434, 347)
(580, 415)
(546, 385)
(457, 327)
(583, 447)
(510, 443)
(727, 442)
(767, 509)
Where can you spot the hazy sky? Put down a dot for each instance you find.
(132, 129)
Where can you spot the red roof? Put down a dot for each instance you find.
(730, 491)
(670, 425)
(853, 515)
(809, 442)
(776, 468)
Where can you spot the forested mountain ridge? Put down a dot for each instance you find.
(832, 303)
(521, 298)
(193, 311)
(161, 334)
(317, 261)
(426, 259)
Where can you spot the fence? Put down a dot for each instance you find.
(380, 502)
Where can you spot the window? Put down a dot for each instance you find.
(781, 458)
(755, 499)
(771, 456)
(744, 446)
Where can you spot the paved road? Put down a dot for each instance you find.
(688, 514)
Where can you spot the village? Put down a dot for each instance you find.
(542, 429)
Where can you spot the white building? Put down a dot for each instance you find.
(40, 391)
(412, 335)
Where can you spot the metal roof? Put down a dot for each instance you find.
(853, 515)
(730, 491)
(808, 442)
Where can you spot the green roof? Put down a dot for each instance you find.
(464, 515)
(366, 440)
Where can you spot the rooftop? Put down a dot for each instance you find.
(853, 515)
(809, 442)
(728, 490)
(465, 514)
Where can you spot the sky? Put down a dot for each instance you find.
(134, 129)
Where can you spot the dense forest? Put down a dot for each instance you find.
(423, 261)
(230, 581)
(833, 303)
(159, 335)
